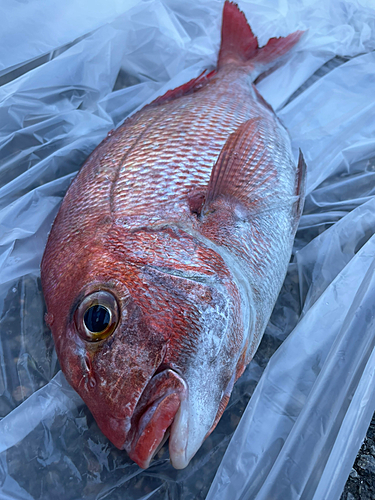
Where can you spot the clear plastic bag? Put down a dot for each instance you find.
(69, 76)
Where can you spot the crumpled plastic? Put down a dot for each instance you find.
(70, 72)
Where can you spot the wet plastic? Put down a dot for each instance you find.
(68, 77)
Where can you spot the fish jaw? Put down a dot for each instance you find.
(159, 406)
(164, 411)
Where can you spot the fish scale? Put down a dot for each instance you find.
(180, 227)
(152, 170)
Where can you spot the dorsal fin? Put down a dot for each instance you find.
(187, 88)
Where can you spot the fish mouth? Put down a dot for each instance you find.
(160, 413)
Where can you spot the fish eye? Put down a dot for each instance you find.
(97, 316)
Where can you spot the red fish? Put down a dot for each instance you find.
(169, 250)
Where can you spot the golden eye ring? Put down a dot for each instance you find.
(97, 316)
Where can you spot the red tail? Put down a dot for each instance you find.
(240, 45)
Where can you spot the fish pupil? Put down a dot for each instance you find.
(97, 318)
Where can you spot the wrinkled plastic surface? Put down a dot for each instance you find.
(68, 77)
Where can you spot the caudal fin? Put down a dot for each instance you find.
(240, 46)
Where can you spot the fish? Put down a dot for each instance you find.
(169, 250)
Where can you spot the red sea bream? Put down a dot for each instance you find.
(169, 250)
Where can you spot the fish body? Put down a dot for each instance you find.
(169, 250)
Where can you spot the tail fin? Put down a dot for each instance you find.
(239, 45)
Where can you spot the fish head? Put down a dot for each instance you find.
(148, 330)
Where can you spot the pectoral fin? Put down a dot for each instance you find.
(248, 174)
(244, 170)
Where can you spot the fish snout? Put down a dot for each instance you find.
(154, 416)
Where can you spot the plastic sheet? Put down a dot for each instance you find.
(68, 81)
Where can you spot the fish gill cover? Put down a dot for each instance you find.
(69, 75)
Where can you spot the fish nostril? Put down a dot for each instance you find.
(88, 375)
(86, 364)
(92, 382)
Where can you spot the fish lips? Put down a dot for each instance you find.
(160, 412)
